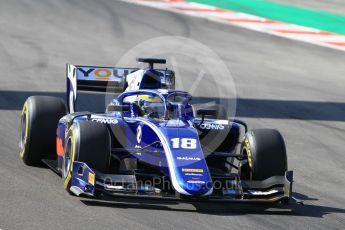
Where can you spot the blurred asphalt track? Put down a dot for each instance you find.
(295, 87)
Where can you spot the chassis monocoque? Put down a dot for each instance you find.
(183, 153)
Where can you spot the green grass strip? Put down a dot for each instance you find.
(282, 12)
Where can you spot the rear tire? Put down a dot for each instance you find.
(266, 153)
(39, 120)
(87, 142)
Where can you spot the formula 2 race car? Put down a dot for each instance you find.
(151, 142)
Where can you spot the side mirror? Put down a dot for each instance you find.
(118, 108)
(205, 112)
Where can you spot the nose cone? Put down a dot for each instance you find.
(187, 165)
(192, 172)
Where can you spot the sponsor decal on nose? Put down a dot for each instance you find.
(192, 170)
(139, 134)
(188, 158)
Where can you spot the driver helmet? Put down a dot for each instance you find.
(150, 105)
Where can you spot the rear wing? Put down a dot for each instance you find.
(104, 79)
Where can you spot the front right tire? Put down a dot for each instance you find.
(266, 152)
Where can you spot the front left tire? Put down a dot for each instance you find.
(39, 120)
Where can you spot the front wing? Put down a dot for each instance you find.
(87, 182)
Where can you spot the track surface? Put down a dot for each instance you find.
(295, 87)
(332, 6)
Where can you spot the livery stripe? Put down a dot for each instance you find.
(169, 157)
(168, 154)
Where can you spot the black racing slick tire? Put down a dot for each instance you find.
(266, 153)
(87, 142)
(39, 120)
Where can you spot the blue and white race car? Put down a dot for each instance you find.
(151, 142)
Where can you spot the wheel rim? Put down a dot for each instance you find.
(245, 171)
(23, 125)
(67, 158)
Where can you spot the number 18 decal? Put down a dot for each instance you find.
(183, 143)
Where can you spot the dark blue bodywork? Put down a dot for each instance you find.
(193, 151)
(171, 144)
(185, 166)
